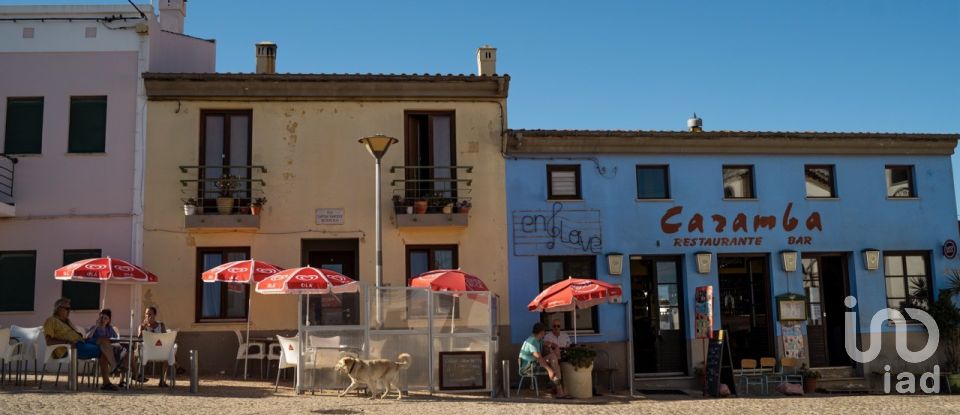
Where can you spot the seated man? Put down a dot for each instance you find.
(59, 330)
(555, 341)
(531, 352)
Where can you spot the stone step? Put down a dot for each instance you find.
(836, 372)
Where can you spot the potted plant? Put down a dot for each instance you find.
(448, 205)
(946, 314)
(576, 365)
(464, 206)
(227, 184)
(420, 205)
(809, 378)
(190, 206)
(257, 205)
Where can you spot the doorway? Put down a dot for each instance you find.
(745, 305)
(339, 255)
(659, 346)
(826, 283)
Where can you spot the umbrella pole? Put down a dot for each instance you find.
(130, 342)
(246, 346)
(574, 324)
(299, 374)
(103, 295)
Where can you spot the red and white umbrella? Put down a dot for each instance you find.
(575, 293)
(308, 280)
(448, 280)
(108, 271)
(248, 271)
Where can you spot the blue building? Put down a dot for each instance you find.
(757, 216)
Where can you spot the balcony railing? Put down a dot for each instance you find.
(445, 190)
(200, 184)
(7, 164)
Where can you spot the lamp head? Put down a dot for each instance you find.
(377, 144)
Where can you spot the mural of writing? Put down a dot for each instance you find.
(557, 231)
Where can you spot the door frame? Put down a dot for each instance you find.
(771, 333)
(202, 153)
(681, 305)
(845, 258)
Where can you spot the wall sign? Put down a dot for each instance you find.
(792, 307)
(950, 249)
(739, 230)
(792, 340)
(703, 312)
(463, 370)
(557, 231)
(330, 216)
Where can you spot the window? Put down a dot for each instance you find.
(738, 182)
(653, 182)
(820, 181)
(423, 258)
(900, 181)
(24, 130)
(88, 125)
(225, 141)
(18, 272)
(907, 278)
(554, 269)
(563, 182)
(220, 300)
(82, 295)
(431, 147)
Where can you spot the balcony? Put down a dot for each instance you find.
(7, 164)
(222, 197)
(431, 196)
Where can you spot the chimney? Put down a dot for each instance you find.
(695, 124)
(172, 13)
(266, 58)
(486, 61)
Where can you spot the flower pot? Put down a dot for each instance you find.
(577, 381)
(809, 385)
(448, 209)
(420, 207)
(255, 209)
(954, 380)
(225, 205)
(465, 209)
(189, 210)
(409, 210)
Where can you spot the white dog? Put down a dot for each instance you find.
(373, 373)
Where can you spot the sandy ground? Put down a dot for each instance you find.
(220, 396)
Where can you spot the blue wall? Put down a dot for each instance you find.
(861, 217)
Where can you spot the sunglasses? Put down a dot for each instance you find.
(65, 308)
(556, 327)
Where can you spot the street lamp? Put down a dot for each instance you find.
(377, 145)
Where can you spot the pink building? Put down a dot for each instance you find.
(72, 115)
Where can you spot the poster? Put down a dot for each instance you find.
(703, 312)
(792, 340)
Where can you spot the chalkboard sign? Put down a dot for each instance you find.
(717, 370)
(463, 370)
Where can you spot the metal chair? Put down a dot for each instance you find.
(750, 374)
(768, 367)
(789, 367)
(531, 371)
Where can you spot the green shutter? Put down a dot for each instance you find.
(82, 295)
(88, 125)
(18, 275)
(24, 127)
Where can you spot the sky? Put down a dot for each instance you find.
(811, 65)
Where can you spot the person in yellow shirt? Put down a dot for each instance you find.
(58, 329)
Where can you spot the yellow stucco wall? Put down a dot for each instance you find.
(314, 161)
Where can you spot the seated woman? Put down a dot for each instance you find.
(104, 329)
(150, 324)
(531, 352)
(58, 329)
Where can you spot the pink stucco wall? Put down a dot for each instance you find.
(174, 52)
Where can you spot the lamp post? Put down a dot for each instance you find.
(377, 145)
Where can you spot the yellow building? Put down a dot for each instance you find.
(292, 139)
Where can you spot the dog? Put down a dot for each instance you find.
(373, 373)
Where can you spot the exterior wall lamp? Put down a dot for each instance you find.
(615, 263)
(789, 259)
(704, 262)
(871, 259)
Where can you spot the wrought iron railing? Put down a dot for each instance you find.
(438, 186)
(7, 164)
(204, 185)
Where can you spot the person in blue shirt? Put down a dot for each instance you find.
(532, 352)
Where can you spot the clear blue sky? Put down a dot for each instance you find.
(811, 65)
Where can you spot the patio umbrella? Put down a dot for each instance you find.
(575, 293)
(108, 271)
(449, 280)
(248, 271)
(304, 281)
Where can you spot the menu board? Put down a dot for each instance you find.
(463, 370)
(718, 371)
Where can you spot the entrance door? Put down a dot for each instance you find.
(335, 309)
(659, 345)
(744, 306)
(826, 283)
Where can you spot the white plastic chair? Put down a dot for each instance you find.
(274, 352)
(160, 347)
(248, 352)
(289, 349)
(25, 349)
(48, 356)
(5, 351)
